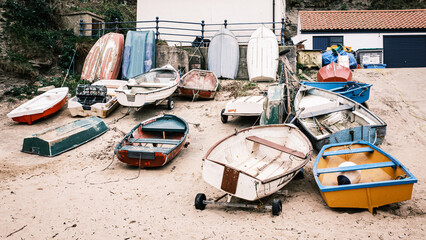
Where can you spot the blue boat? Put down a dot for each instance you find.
(359, 92)
(139, 53)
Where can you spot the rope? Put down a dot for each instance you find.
(68, 70)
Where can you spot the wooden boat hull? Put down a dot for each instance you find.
(131, 151)
(198, 84)
(101, 110)
(249, 166)
(262, 55)
(383, 179)
(135, 94)
(56, 140)
(224, 54)
(104, 59)
(330, 118)
(334, 72)
(359, 92)
(139, 53)
(40, 107)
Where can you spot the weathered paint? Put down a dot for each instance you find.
(334, 72)
(377, 187)
(56, 140)
(273, 108)
(198, 84)
(139, 53)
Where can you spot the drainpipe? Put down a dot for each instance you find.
(273, 15)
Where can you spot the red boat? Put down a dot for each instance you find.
(334, 72)
(154, 142)
(198, 84)
(40, 107)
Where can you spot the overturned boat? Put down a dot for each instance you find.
(327, 117)
(361, 175)
(154, 142)
(359, 92)
(56, 140)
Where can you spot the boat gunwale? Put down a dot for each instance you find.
(268, 180)
(411, 179)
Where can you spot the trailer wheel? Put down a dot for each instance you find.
(170, 104)
(223, 118)
(199, 201)
(276, 207)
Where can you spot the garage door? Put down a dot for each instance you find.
(404, 51)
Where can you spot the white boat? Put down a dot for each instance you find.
(95, 104)
(256, 162)
(328, 117)
(243, 106)
(151, 87)
(41, 106)
(224, 54)
(262, 55)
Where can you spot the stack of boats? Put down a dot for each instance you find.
(252, 163)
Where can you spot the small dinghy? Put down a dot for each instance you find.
(243, 106)
(154, 142)
(334, 72)
(327, 117)
(97, 99)
(359, 92)
(56, 140)
(151, 87)
(41, 106)
(224, 54)
(254, 163)
(198, 84)
(361, 175)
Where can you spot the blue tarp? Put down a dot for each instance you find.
(329, 57)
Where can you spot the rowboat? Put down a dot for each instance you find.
(243, 106)
(224, 54)
(327, 117)
(154, 142)
(334, 72)
(41, 106)
(139, 53)
(104, 59)
(262, 55)
(151, 87)
(97, 99)
(56, 140)
(359, 92)
(198, 84)
(255, 162)
(361, 175)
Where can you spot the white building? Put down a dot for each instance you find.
(400, 33)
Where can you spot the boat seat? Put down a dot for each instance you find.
(337, 89)
(348, 151)
(305, 114)
(357, 167)
(276, 146)
(149, 84)
(152, 127)
(142, 149)
(154, 140)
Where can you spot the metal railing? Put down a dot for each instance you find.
(181, 31)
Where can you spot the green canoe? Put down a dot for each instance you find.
(56, 140)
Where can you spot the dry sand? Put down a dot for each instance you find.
(70, 197)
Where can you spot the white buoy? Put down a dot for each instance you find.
(350, 177)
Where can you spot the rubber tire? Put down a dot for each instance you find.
(199, 204)
(223, 118)
(365, 105)
(277, 207)
(170, 104)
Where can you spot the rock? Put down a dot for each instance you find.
(45, 89)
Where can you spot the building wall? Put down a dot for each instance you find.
(354, 40)
(212, 12)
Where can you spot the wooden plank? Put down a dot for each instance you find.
(357, 167)
(154, 140)
(348, 151)
(276, 146)
(325, 111)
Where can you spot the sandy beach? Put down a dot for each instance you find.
(86, 194)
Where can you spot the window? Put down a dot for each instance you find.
(324, 42)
